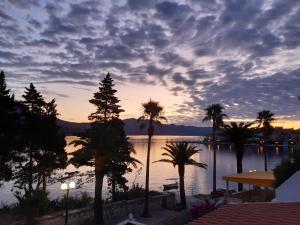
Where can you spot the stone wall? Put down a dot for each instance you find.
(112, 211)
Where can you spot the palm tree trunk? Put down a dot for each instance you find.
(30, 183)
(265, 154)
(181, 183)
(113, 187)
(214, 160)
(239, 164)
(146, 205)
(44, 182)
(98, 208)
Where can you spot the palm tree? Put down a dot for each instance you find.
(153, 113)
(103, 156)
(180, 154)
(264, 119)
(239, 135)
(214, 114)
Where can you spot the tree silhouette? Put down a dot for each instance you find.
(239, 135)
(42, 144)
(214, 114)
(180, 154)
(264, 119)
(8, 132)
(104, 145)
(153, 112)
(53, 155)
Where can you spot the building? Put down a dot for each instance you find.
(253, 213)
(289, 190)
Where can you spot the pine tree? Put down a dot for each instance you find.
(53, 155)
(106, 102)
(3, 88)
(102, 144)
(42, 144)
(8, 131)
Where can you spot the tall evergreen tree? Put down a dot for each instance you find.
(26, 166)
(53, 155)
(8, 131)
(102, 145)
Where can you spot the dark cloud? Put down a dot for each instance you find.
(43, 43)
(7, 55)
(4, 16)
(139, 4)
(239, 53)
(24, 3)
(35, 23)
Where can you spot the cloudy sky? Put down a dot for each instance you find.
(244, 54)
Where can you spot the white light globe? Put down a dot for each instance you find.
(72, 185)
(64, 186)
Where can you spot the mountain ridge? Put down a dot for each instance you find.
(132, 128)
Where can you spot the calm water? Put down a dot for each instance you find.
(197, 180)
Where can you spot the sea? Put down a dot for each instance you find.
(197, 180)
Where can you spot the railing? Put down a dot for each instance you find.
(112, 211)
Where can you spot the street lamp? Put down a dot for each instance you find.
(67, 187)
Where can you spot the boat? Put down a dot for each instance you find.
(170, 186)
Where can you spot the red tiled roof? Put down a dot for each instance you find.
(253, 214)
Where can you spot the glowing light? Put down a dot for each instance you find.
(64, 186)
(72, 185)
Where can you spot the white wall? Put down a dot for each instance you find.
(289, 191)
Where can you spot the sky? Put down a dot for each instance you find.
(186, 54)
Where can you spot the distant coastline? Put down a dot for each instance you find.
(132, 128)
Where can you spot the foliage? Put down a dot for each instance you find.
(239, 135)
(8, 131)
(134, 192)
(180, 154)
(33, 205)
(264, 119)
(41, 146)
(106, 102)
(287, 168)
(74, 202)
(214, 114)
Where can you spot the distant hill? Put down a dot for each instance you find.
(132, 128)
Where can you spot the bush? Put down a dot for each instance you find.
(136, 191)
(287, 168)
(31, 206)
(74, 202)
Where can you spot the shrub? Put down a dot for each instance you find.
(31, 206)
(74, 202)
(136, 191)
(287, 168)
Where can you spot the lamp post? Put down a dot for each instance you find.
(67, 187)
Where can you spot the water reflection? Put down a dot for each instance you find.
(197, 180)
